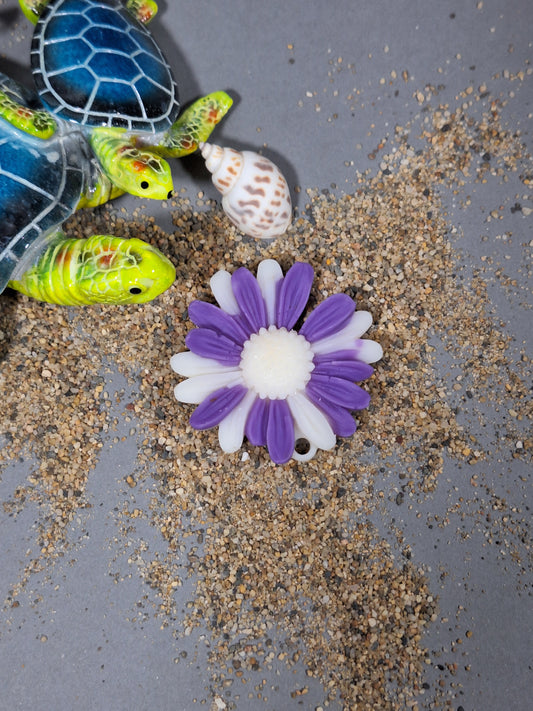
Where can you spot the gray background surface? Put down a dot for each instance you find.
(78, 640)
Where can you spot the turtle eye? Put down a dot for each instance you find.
(135, 290)
(145, 185)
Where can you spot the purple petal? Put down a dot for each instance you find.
(340, 419)
(250, 300)
(210, 344)
(256, 424)
(216, 406)
(330, 316)
(210, 316)
(339, 391)
(353, 370)
(280, 432)
(293, 294)
(347, 354)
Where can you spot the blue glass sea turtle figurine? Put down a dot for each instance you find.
(105, 114)
(46, 172)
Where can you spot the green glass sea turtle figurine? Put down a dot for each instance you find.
(104, 116)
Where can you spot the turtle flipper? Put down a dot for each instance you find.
(32, 9)
(195, 125)
(143, 10)
(98, 270)
(36, 123)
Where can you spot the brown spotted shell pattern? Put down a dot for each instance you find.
(255, 195)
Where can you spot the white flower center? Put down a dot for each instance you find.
(276, 363)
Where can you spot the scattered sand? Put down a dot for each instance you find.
(290, 550)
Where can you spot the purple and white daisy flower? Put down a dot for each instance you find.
(254, 376)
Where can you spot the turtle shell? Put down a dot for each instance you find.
(41, 182)
(95, 64)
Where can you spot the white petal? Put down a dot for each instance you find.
(220, 284)
(268, 274)
(231, 429)
(188, 363)
(197, 388)
(368, 351)
(311, 422)
(344, 339)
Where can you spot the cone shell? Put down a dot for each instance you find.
(255, 195)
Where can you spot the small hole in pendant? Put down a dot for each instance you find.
(302, 446)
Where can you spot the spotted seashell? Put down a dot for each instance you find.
(255, 195)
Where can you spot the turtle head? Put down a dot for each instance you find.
(121, 271)
(144, 174)
(98, 270)
(137, 171)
